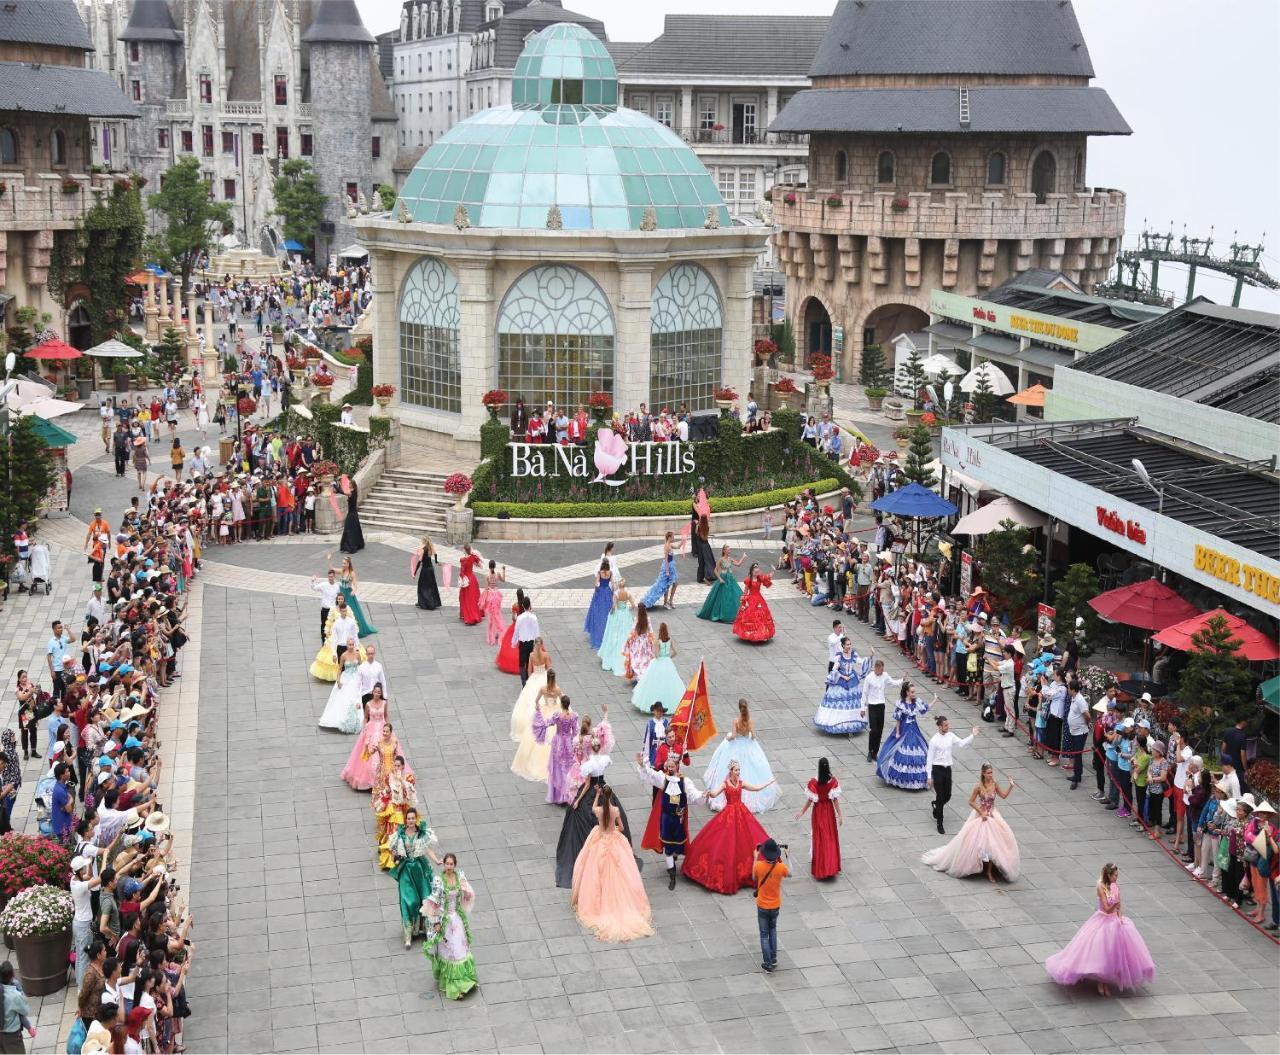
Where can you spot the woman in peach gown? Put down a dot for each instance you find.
(608, 895)
(986, 841)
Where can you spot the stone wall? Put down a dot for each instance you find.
(157, 68)
(342, 143)
(34, 133)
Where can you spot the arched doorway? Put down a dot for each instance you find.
(1044, 176)
(885, 323)
(817, 330)
(79, 327)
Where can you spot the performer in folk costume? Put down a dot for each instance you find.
(668, 830)
(655, 733)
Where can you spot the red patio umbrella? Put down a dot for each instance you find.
(1255, 646)
(54, 349)
(1148, 605)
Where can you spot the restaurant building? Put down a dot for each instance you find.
(1163, 445)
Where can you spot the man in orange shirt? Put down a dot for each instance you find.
(284, 507)
(95, 543)
(769, 872)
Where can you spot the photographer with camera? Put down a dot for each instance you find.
(769, 872)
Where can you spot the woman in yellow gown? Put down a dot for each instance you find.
(325, 666)
(395, 790)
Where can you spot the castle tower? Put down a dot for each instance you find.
(153, 74)
(340, 60)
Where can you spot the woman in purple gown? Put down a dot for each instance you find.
(1107, 950)
(565, 725)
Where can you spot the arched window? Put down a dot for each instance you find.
(686, 339)
(8, 146)
(555, 337)
(996, 164)
(940, 169)
(1079, 169)
(58, 148)
(885, 167)
(1044, 175)
(842, 167)
(430, 367)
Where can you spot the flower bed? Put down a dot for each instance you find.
(383, 391)
(726, 504)
(32, 860)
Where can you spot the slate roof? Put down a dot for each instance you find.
(622, 50)
(953, 36)
(514, 26)
(46, 89)
(763, 46)
(53, 22)
(1006, 110)
(338, 22)
(151, 20)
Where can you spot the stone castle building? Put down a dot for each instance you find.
(947, 150)
(244, 85)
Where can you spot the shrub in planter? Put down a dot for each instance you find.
(727, 395)
(784, 386)
(901, 204)
(322, 380)
(789, 198)
(39, 922)
(834, 201)
(458, 485)
(495, 398)
(600, 403)
(383, 391)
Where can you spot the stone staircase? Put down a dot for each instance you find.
(408, 500)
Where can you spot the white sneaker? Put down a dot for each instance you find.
(1197, 873)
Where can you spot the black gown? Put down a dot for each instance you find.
(428, 592)
(578, 822)
(352, 535)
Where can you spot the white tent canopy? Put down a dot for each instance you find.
(996, 378)
(48, 408)
(113, 349)
(353, 252)
(993, 514)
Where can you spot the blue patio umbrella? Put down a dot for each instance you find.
(914, 500)
(294, 247)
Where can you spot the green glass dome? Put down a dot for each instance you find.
(564, 142)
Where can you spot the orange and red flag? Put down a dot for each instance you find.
(693, 722)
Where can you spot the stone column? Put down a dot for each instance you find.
(478, 343)
(212, 367)
(686, 110)
(770, 106)
(738, 294)
(149, 309)
(631, 342)
(192, 332)
(162, 315)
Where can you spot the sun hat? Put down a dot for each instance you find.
(1264, 807)
(80, 863)
(157, 822)
(1146, 697)
(1100, 706)
(1248, 799)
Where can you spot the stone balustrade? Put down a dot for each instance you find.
(1091, 214)
(43, 203)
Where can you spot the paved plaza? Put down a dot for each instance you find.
(298, 936)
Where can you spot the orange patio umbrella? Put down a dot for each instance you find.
(1029, 397)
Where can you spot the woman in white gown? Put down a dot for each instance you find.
(740, 745)
(532, 758)
(522, 712)
(344, 709)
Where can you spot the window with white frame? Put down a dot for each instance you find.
(664, 110)
(747, 184)
(706, 112)
(726, 181)
(640, 103)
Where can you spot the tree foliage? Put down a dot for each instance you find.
(1071, 598)
(299, 200)
(984, 399)
(193, 220)
(785, 338)
(943, 377)
(1009, 566)
(386, 197)
(871, 372)
(27, 470)
(169, 352)
(1216, 686)
(914, 376)
(919, 455)
(110, 243)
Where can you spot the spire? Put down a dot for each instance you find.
(151, 20)
(337, 21)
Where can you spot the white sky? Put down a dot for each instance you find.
(1196, 82)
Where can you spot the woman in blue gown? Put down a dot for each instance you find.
(663, 592)
(616, 632)
(901, 762)
(601, 605)
(347, 583)
(842, 709)
(741, 746)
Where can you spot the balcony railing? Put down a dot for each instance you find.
(742, 137)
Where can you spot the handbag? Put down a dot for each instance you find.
(1223, 857)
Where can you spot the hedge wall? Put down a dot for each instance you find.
(677, 507)
(346, 446)
(731, 465)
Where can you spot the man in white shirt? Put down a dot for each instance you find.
(525, 634)
(834, 646)
(371, 674)
(682, 428)
(874, 688)
(938, 764)
(348, 415)
(97, 607)
(328, 591)
(82, 886)
(345, 629)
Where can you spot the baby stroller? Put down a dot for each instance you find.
(34, 573)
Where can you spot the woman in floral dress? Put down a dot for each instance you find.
(413, 848)
(448, 943)
(638, 652)
(395, 791)
(754, 622)
(901, 762)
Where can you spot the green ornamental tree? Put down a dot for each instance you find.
(299, 200)
(984, 399)
(110, 245)
(919, 455)
(169, 351)
(943, 377)
(386, 197)
(914, 376)
(27, 322)
(1009, 567)
(784, 337)
(871, 371)
(1071, 598)
(1216, 687)
(27, 470)
(192, 219)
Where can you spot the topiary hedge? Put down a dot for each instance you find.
(494, 436)
(347, 446)
(676, 507)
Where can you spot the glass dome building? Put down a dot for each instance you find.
(556, 247)
(563, 142)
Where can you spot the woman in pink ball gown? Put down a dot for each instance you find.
(358, 771)
(986, 841)
(1108, 949)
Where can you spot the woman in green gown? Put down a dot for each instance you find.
(347, 583)
(448, 944)
(721, 605)
(412, 847)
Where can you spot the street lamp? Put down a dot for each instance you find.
(1145, 477)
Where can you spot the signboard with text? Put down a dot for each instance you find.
(1017, 322)
(612, 463)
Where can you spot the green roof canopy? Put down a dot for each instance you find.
(51, 435)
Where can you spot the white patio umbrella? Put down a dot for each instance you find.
(24, 392)
(987, 519)
(113, 349)
(48, 408)
(938, 362)
(1000, 384)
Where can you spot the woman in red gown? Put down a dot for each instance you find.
(508, 658)
(720, 858)
(823, 795)
(469, 588)
(755, 621)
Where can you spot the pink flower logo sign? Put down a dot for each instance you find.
(610, 454)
